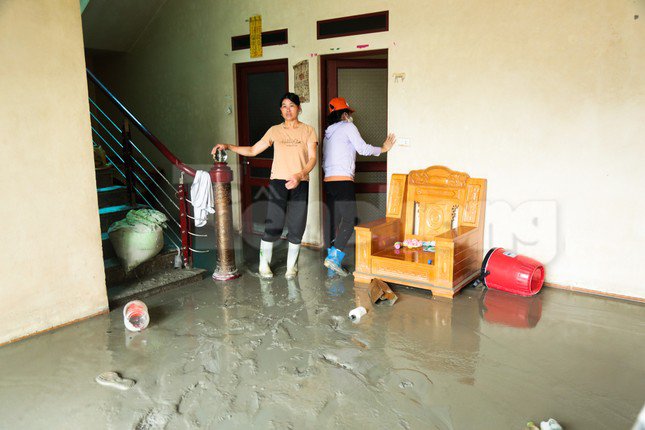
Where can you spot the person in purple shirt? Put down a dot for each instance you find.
(341, 144)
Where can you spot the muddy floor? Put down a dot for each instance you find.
(279, 355)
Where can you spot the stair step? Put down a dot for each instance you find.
(104, 176)
(114, 273)
(158, 282)
(112, 209)
(115, 195)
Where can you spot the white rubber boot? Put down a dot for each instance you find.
(266, 251)
(292, 261)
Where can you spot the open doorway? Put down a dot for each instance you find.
(361, 78)
(259, 87)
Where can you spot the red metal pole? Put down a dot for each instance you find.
(183, 222)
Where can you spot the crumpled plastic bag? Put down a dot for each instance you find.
(138, 237)
(100, 158)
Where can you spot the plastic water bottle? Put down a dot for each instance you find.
(178, 263)
(135, 315)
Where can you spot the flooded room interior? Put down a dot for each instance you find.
(303, 215)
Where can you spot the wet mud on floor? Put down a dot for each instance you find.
(254, 354)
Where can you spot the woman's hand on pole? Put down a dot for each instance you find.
(220, 147)
(389, 142)
(293, 181)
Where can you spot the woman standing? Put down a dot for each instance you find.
(294, 144)
(342, 142)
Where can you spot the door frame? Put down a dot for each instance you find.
(329, 89)
(242, 71)
(325, 80)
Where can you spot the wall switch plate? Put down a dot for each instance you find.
(403, 141)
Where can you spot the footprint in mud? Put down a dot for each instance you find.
(156, 418)
(190, 395)
(282, 336)
(347, 365)
(406, 384)
(335, 322)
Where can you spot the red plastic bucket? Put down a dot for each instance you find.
(506, 271)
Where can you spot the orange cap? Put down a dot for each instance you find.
(339, 103)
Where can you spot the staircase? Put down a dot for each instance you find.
(131, 181)
(153, 276)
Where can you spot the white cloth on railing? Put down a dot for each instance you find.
(201, 194)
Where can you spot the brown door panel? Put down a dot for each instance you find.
(259, 86)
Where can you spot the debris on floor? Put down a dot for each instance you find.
(357, 313)
(380, 290)
(114, 380)
(178, 263)
(550, 424)
(135, 315)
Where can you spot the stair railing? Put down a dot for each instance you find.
(124, 155)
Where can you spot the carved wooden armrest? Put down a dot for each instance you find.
(381, 233)
(376, 224)
(373, 237)
(448, 245)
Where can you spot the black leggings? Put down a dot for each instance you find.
(296, 215)
(341, 212)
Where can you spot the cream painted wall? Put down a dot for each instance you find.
(545, 99)
(51, 261)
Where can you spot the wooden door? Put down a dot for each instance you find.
(363, 82)
(259, 88)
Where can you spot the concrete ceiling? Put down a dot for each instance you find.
(116, 25)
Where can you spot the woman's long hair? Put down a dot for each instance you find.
(336, 116)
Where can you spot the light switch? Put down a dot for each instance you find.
(403, 141)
